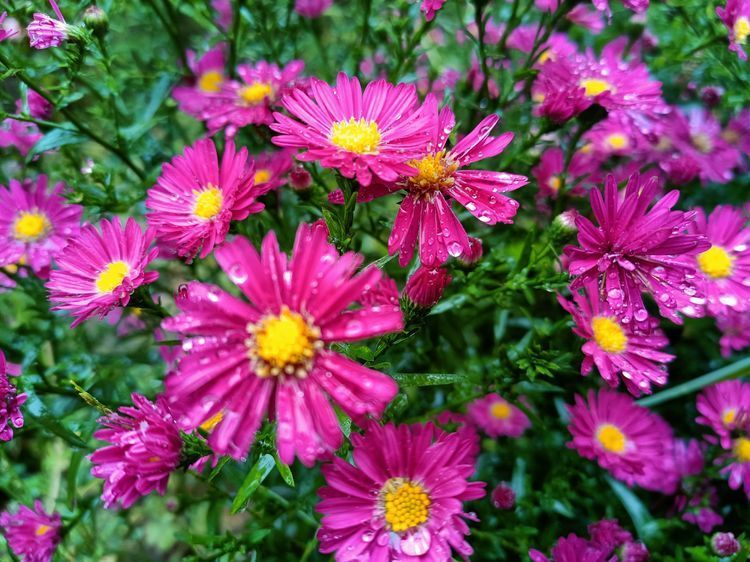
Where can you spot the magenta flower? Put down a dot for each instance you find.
(10, 400)
(503, 496)
(636, 249)
(523, 38)
(736, 16)
(630, 351)
(637, 6)
(430, 8)
(45, 32)
(426, 285)
(735, 331)
(724, 407)
(571, 549)
(32, 534)
(196, 197)
(251, 100)
(312, 8)
(35, 224)
(5, 33)
(497, 417)
(20, 134)
(359, 134)
(98, 272)
(272, 353)
(144, 450)
(626, 439)
(271, 169)
(549, 173)
(402, 499)
(737, 462)
(617, 135)
(737, 131)
(196, 95)
(39, 107)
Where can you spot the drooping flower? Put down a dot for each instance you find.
(144, 450)
(271, 169)
(197, 196)
(426, 285)
(736, 16)
(628, 351)
(32, 534)
(45, 32)
(5, 33)
(724, 407)
(725, 266)
(312, 8)
(35, 224)
(637, 250)
(626, 439)
(735, 331)
(430, 8)
(243, 359)
(99, 271)
(209, 76)
(402, 499)
(358, 133)
(10, 400)
(497, 417)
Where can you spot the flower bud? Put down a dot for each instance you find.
(96, 19)
(426, 286)
(724, 544)
(503, 496)
(299, 178)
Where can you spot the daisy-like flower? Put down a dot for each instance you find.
(497, 417)
(20, 134)
(571, 549)
(402, 499)
(45, 32)
(243, 359)
(736, 16)
(358, 133)
(10, 400)
(311, 8)
(738, 463)
(145, 445)
(626, 439)
(271, 169)
(636, 249)
(35, 224)
(726, 264)
(523, 38)
(737, 131)
(197, 196)
(208, 71)
(251, 100)
(99, 271)
(32, 534)
(426, 285)
(629, 351)
(549, 173)
(735, 331)
(722, 407)
(617, 135)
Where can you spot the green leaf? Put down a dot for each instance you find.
(642, 520)
(55, 139)
(53, 425)
(217, 469)
(72, 477)
(284, 470)
(253, 480)
(428, 379)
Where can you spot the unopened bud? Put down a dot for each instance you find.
(503, 496)
(724, 544)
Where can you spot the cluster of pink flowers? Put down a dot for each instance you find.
(32, 534)
(607, 542)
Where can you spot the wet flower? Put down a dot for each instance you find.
(735, 331)
(426, 285)
(32, 534)
(20, 134)
(497, 417)
(100, 271)
(723, 407)
(271, 169)
(144, 450)
(197, 196)
(549, 174)
(45, 32)
(403, 497)
(299, 178)
(737, 462)
(725, 544)
(430, 8)
(617, 135)
(736, 16)
(503, 496)
(243, 359)
(10, 400)
(195, 95)
(312, 8)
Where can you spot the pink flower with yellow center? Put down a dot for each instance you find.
(209, 77)
(738, 463)
(736, 16)
(497, 417)
(272, 169)
(724, 407)
(32, 534)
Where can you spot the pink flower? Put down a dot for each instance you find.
(45, 32)
(5, 33)
(271, 169)
(724, 407)
(99, 271)
(32, 535)
(10, 400)
(311, 8)
(549, 173)
(735, 331)
(635, 249)
(571, 549)
(585, 17)
(196, 95)
(20, 134)
(497, 417)
(39, 107)
(736, 16)
(144, 450)
(430, 8)
(638, 6)
(196, 197)
(737, 131)
(737, 462)
(402, 499)
(426, 285)
(503, 496)
(617, 135)
(357, 133)
(244, 358)
(35, 224)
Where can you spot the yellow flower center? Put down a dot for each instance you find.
(255, 93)
(729, 416)
(538, 97)
(434, 173)
(731, 136)
(111, 276)
(210, 81)
(31, 226)
(208, 202)
(741, 29)
(212, 422)
(611, 438)
(283, 344)
(42, 530)
(595, 86)
(406, 504)
(742, 449)
(716, 262)
(608, 334)
(546, 55)
(702, 142)
(501, 410)
(554, 183)
(617, 141)
(262, 176)
(358, 136)
(587, 148)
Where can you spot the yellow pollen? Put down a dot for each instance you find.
(537, 97)
(741, 30)
(255, 93)
(608, 334)
(31, 226)
(716, 262)
(731, 136)
(595, 86)
(702, 142)
(729, 416)
(434, 173)
(617, 141)
(587, 148)
(742, 449)
(208, 202)
(501, 410)
(154, 459)
(212, 422)
(111, 276)
(284, 343)
(210, 82)
(262, 176)
(406, 504)
(611, 438)
(546, 55)
(554, 183)
(41, 530)
(358, 136)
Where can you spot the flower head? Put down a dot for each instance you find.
(10, 400)
(32, 534)
(724, 544)
(197, 196)
(271, 169)
(312, 8)
(5, 33)
(45, 32)
(19, 134)
(503, 496)
(735, 331)
(572, 549)
(425, 287)
(737, 461)
(430, 8)
(724, 407)
(272, 353)
(209, 77)
(736, 16)
(99, 271)
(402, 499)
(497, 417)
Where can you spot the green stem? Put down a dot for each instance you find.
(234, 39)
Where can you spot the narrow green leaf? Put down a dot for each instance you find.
(53, 425)
(640, 516)
(284, 470)
(54, 139)
(217, 469)
(427, 379)
(72, 477)
(253, 480)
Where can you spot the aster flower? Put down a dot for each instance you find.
(99, 271)
(196, 197)
(250, 101)
(271, 169)
(402, 499)
(32, 534)
(637, 6)
(503, 496)
(144, 450)
(39, 107)
(10, 400)
(636, 249)
(722, 406)
(5, 33)
(312, 8)
(223, 10)
(426, 285)
(737, 131)
(20, 134)
(35, 223)
(625, 439)
(497, 417)
(735, 331)
(617, 135)
(243, 359)
(725, 266)
(724, 544)
(571, 549)
(549, 173)
(358, 133)
(737, 462)
(45, 32)
(586, 17)
(430, 8)
(736, 16)
(208, 71)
